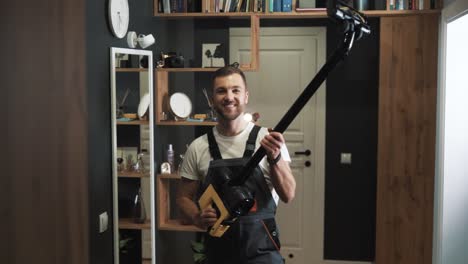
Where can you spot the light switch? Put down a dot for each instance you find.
(345, 158)
(103, 222)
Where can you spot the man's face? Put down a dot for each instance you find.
(230, 96)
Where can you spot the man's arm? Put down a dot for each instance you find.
(186, 191)
(280, 173)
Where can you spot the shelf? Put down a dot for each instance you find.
(169, 176)
(176, 225)
(294, 14)
(132, 174)
(164, 206)
(185, 123)
(186, 69)
(126, 223)
(133, 123)
(131, 69)
(246, 68)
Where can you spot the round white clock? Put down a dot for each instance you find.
(119, 17)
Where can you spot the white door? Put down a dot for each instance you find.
(289, 59)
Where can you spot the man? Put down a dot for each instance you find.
(252, 238)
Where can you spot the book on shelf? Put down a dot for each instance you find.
(286, 5)
(166, 6)
(412, 4)
(228, 6)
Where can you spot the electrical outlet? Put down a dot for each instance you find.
(103, 222)
(345, 158)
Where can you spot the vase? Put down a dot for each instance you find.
(138, 210)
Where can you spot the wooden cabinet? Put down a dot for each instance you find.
(132, 159)
(406, 138)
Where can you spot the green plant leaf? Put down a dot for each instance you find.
(123, 243)
(198, 247)
(199, 258)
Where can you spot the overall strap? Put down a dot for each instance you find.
(250, 144)
(214, 150)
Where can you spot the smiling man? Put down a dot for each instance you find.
(253, 238)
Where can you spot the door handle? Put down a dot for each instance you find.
(307, 152)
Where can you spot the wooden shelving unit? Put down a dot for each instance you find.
(162, 74)
(131, 69)
(132, 174)
(185, 123)
(140, 137)
(196, 69)
(126, 223)
(177, 225)
(133, 123)
(293, 14)
(164, 206)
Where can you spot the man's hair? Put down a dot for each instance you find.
(228, 70)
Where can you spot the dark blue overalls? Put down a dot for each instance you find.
(254, 238)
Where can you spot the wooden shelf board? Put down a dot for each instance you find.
(185, 123)
(133, 123)
(176, 225)
(186, 69)
(389, 13)
(294, 14)
(169, 176)
(126, 223)
(194, 69)
(132, 174)
(131, 69)
(207, 15)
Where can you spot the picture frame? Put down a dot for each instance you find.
(213, 55)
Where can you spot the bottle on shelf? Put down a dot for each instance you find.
(140, 165)
(170, 157)
(138, 210)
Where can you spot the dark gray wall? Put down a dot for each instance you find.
(351, 127)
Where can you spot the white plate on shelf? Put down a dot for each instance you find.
(180, 104)
(144, 104)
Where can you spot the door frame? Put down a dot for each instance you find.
(450, 11)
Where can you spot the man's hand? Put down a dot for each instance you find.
(280, 173)
(206, 218)
(272, 144)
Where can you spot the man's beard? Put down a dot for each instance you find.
(230, 116)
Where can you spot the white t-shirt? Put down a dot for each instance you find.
(198, 157)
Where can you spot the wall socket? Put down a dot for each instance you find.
(345, 158)
(103, 222)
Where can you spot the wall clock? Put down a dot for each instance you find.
(119, 17)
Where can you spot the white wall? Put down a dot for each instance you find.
(451, 198)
